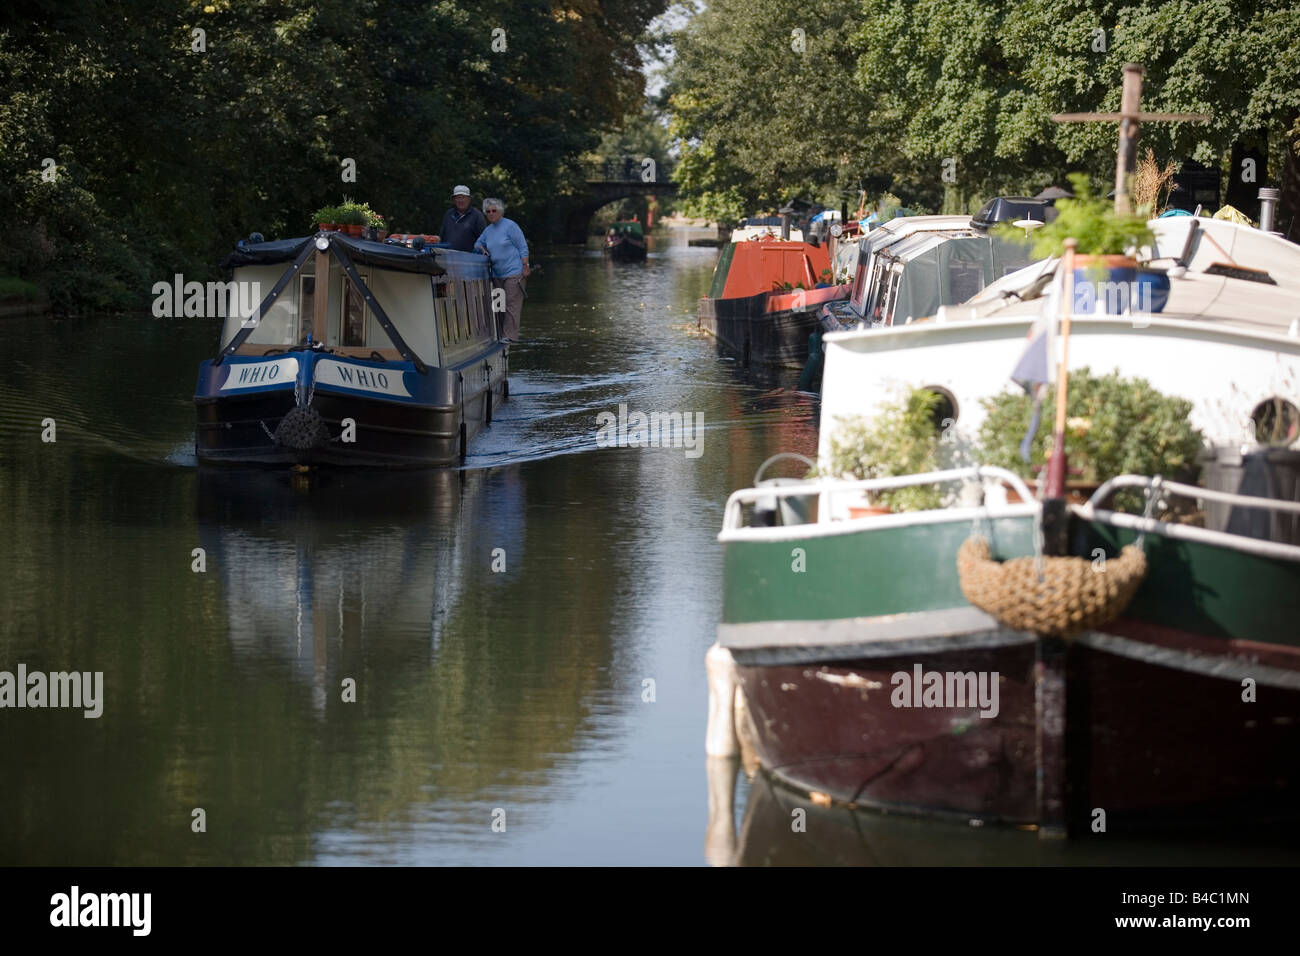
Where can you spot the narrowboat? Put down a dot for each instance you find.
(764, 301)
(625, 240)
(1177, 703)
(910, 266)
(358, 353)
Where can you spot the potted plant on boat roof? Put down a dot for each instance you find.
(1106, 276)
(327, 218)
(353, 217)
(902, 438)
(1114, 426)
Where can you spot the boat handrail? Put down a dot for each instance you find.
(732, 516)
(1189, 491)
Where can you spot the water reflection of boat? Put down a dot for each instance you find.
(361, 353)
(781, 827)
(313, 569)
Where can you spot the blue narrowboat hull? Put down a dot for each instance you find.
(309, 405)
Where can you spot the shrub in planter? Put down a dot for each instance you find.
(902, 438)
(326, 217)
(1114, 426)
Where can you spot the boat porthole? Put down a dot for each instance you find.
(945, 411)
(1276, 422)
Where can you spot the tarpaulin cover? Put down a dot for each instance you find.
(430, 261)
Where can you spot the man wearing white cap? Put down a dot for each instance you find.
(462, 225)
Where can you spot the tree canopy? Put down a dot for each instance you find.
(890, 94)
(176, 126)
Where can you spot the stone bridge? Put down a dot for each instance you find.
(609, 182)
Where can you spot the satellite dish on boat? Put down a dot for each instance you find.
(1029, 225)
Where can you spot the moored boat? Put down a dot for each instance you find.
(886, 661)
(765, 297)
(362, 353)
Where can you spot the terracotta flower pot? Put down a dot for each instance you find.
(857, 511)
(328, 226)
(355, 231)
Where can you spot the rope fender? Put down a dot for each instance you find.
(1069, 595)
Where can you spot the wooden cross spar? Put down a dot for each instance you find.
(1128, 118)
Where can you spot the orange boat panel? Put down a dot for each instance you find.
(759, 266)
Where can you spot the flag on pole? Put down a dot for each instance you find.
(1036, 369)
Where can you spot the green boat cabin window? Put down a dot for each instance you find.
(354, 314)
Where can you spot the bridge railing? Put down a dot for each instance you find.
(628, 169)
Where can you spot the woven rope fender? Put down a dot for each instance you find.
(1071, 596)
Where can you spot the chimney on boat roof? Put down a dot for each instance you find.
(1267, 206)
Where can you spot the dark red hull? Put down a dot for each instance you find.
(1155, 736)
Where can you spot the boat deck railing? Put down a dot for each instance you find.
(1158, 484)
(733, 516)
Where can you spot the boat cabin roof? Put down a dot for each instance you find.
(431, 260)
(1262, 306)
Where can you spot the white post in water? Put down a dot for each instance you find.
(720, 739)
(720, 837)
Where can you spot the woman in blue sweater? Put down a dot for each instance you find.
(503, 242)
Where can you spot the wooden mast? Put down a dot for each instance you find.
(1130, 117)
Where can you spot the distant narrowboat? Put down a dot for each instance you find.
(625, 240)
(765, 299)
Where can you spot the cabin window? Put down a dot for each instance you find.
(1276, 422)
(944, 414)
(965, 279)
(891, 297)
(354, 314)
(468, 309)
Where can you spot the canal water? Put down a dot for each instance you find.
(502, 664)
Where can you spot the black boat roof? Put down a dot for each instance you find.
(432, 260)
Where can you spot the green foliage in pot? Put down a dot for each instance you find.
(902, 438)
(326, 214)
(353, 214)
(1114, 426)
(1090, 221)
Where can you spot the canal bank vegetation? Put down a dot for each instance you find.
(944, 103)
(133, 147)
